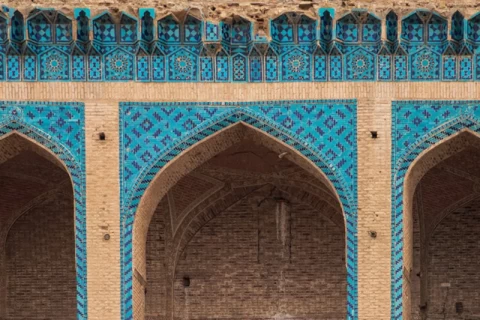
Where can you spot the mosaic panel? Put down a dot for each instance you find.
(417, 126)
(29, 68)
(320, 71)
(182, 66)
(450, 68)
(3, 29)
(54, 65)
(169, 30)
(466, 68)
(104, 29)
(152, 134)
(148, 25)
(282, 29)
(360, 65)
(39, 29)
(119, 65)
(296, 66)
(128, 29)
(271, 66)
(193, 30)
(425, 65)
(384, 67)
(206, 68)
(59, 127)
(422, 53)
(221, 65)
(63, 29)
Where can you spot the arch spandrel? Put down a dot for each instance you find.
(321, 132)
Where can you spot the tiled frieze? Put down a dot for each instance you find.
(294, 46)
(417, 126)
(58, 127)
(153, 134)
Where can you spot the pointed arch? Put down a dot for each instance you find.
(199, 145)
(427, 150)
(12, 121)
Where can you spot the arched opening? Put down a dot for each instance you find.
(442, 227)
(37, 233)
(239, 226)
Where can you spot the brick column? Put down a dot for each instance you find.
(103, 210)
(374, 213)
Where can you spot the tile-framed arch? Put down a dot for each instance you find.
(417, 127)
(59, 128)
(153, 134)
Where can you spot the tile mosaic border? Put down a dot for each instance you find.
(292, 47)
(59, 127)
(152, 134)
(417, 126)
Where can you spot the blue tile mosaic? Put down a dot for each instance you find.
(417, 126)
(59, 127)
(353, 48)
(147, 17)
(323, 131)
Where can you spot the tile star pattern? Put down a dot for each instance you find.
(153, 134)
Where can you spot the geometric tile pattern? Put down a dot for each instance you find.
(360, 65)
(295, 66)
(169, 49)
(59, 127)
(417, 126)
(153, 134)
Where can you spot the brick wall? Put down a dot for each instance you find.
(445, 237)
(37, 248)
(237, 271)
(40, 249)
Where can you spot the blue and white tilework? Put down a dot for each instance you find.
(352, 47)
(153, 134)
(59, 127)
(417, 126)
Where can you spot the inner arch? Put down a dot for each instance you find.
(37, 233)
(440, 211)
(187, 164)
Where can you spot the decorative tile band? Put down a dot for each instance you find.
(153, 134)
(358, 46)
(59, 127)
(417, 126)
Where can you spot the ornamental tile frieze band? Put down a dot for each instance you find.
(416, 127)
(59, 128)
(47, 45)
(154, 134)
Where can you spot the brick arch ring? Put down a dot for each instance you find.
(407, 171)
(142, 200)
(13, 124)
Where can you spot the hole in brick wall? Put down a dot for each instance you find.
(374, 134)
(101, 136)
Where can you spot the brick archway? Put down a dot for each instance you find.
(436, 146)
(55, 152)
(211, 140)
